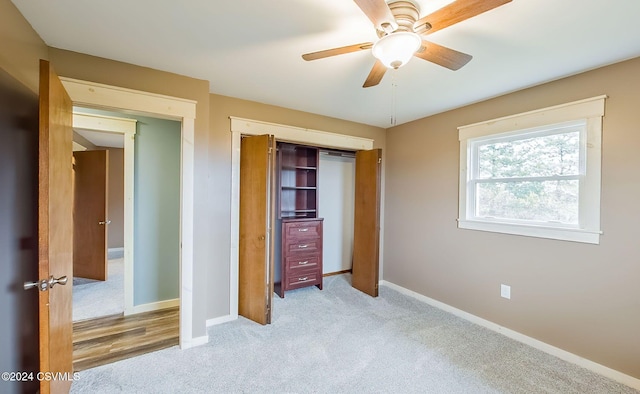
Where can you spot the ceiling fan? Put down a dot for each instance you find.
(401, 34)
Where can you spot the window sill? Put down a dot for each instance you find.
(559, 233)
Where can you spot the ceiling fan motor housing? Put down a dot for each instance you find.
(406, 14)
(400, 33)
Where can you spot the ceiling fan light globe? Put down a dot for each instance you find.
(396, 49)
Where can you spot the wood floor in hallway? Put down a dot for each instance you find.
(111, 338)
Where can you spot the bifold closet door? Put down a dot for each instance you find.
(257, 211)
(366, 233)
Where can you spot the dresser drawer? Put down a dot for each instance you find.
(302, 229)
(295, 264)
(302, 279)
(301, 254)
(298, 246)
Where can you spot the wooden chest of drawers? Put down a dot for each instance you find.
(301, 254)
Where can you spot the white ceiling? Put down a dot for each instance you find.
(251, 49)
(102, 138)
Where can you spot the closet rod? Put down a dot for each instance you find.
(337, 153)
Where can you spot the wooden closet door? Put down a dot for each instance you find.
(257, 209)
(366, 232)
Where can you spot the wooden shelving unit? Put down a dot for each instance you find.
(299, 243)
(298, 181)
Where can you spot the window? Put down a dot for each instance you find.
(535, 174)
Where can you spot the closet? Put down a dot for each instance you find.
(280, 238)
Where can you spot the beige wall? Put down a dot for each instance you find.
(581, 298)
(115, 200)
(20, 46)
(220, 162)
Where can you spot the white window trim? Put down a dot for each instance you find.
(592, 111)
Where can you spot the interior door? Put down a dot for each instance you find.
(90, 215)
(55, 231)
(257, 212)
(366, 232)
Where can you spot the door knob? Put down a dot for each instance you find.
(102, 223)
(44, 284)
(58, 281)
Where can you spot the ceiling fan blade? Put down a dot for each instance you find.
(442, 56)
(379, 13)
(376, 74)
(455, 12)
(337, 51)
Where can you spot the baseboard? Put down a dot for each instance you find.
(336, 273)
(527, 340)
(220, 320)
(193, 342)
(115, 253)
(153, 306)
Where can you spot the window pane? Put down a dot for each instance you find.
(554, 200)
(557, 154)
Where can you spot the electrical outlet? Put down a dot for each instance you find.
(505, 291)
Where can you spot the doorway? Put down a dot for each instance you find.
(98, 274)
(106, 329)
(150, 188)
(99, 183)
(96, 95)
(240, 127)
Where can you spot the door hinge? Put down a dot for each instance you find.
(379, 160)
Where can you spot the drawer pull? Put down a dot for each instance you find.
(303, 279)
(303, 262)
(303, 230)
(303, 246)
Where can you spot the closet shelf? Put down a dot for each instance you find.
(285, 167)
(299, 188)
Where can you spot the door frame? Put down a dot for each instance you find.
(91, 94)
(284, 133)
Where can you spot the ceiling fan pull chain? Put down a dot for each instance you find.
(394, 88)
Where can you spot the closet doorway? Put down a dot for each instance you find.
(367, 212)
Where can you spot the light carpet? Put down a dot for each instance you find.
(93, 298)
(339, 340)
